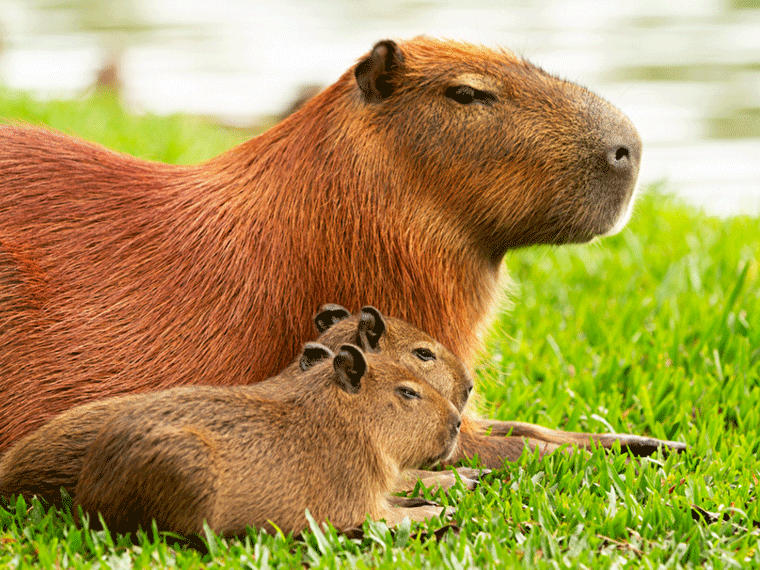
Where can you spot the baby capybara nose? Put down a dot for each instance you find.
(455, 426)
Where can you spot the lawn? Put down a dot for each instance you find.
(654, 331)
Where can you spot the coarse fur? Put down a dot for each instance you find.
(333, 438)
(402, 186)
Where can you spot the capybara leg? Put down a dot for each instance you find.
(439, 479)
(492, 451)
(637, 445)
(132, 476)
(416, 509)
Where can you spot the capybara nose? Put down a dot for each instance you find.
(621, 148)
(455, 425)
(623, 152)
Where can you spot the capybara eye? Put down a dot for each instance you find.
(423, 354)
(407, 393)
(465, 95)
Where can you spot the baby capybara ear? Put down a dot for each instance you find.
(328, 315)
(350, 365)
(376, 74)
(371, 328)
(312, 353)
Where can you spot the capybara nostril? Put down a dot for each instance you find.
(455, 426)
(622, 147)
(619, 157)
(623, 158)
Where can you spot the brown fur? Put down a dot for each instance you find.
(332, 439)
(119, 275)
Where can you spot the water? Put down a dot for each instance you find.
(687, 72)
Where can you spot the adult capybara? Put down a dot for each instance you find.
(402, 186)
(332, 439)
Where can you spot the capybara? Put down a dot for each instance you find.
(332, 439)
(402, 186)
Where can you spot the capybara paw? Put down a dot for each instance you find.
(416, 509)
(435, 480)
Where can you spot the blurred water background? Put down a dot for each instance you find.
(687, 72)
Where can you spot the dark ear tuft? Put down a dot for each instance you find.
(350, 365)
(328, 315)
(375, 75)
(312, 353)
(371, 328)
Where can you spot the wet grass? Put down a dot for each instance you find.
(654, 331)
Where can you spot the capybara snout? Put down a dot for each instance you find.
(613, 180)
(449, 435)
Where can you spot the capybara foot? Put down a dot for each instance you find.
(439, 479)
(637, 445)
(416, 509)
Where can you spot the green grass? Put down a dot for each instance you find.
(655, 331)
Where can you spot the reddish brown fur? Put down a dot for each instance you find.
(119, 275)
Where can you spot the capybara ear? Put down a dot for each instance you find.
(375, 75)
(371, 328)
(350, 365)
(312, 353)
(328, 315)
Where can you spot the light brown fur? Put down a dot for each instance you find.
(119, 275)
(237, 456)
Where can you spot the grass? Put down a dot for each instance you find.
(654, 331)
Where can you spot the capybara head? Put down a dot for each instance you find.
(399, 340)
(505, 147)
(407, 418)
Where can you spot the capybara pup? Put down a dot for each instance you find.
(417, 171)
(333, 439)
